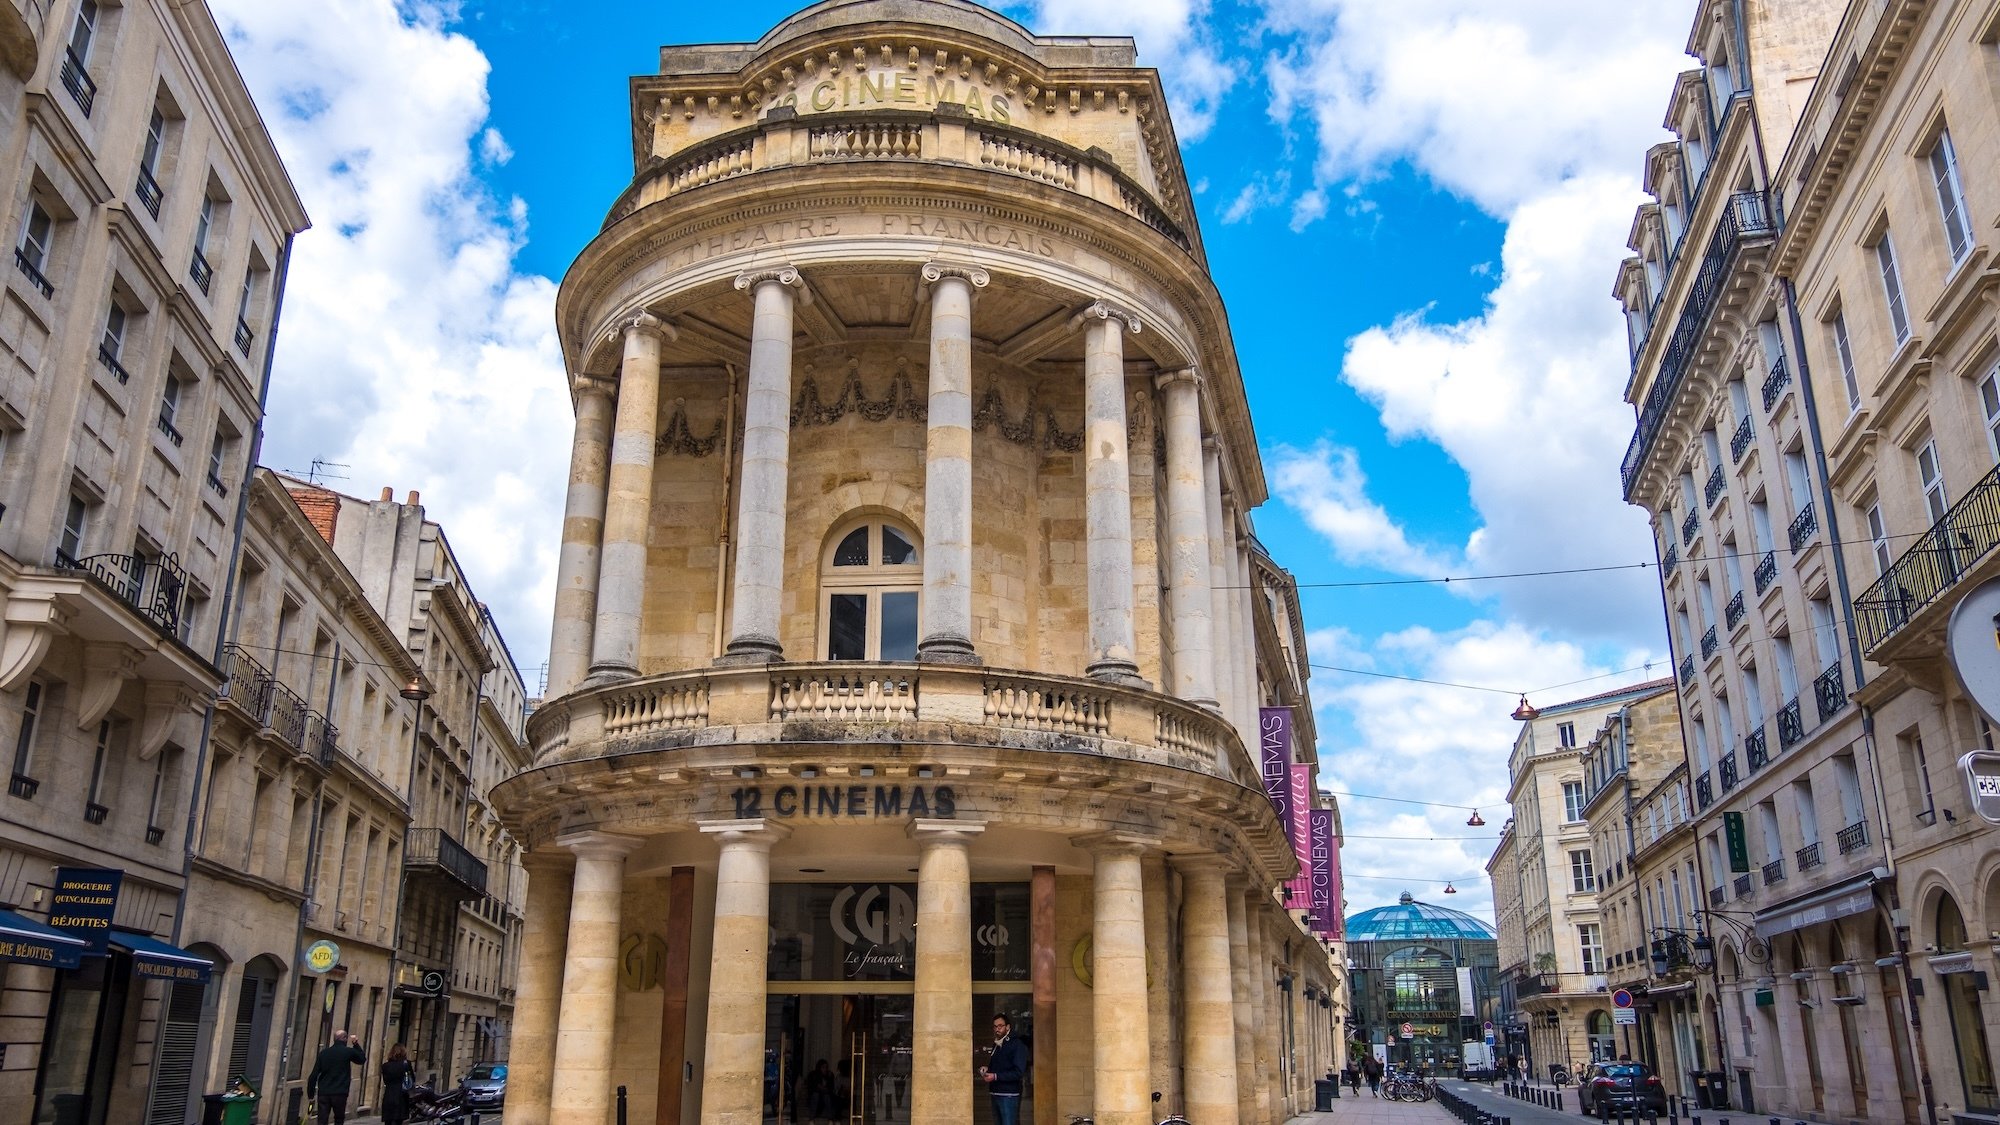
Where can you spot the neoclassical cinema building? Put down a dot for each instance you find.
(911, 636)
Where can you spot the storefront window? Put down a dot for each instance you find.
(868, 932)
(1968, 1024)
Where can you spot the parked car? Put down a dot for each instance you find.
(1604, 1088)
(485, 1086)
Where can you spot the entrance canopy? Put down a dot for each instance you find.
(160, 961)
(29, 942)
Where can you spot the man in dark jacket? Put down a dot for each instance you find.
(1004, 1071)
(332, 1076)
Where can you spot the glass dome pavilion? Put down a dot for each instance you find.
(1414, 967)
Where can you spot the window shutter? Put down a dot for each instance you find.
(173, 1075)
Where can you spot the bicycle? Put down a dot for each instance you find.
(1404, 1087)
(1169, 1119)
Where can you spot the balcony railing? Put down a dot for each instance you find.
(1739, 443)
(1710, 641)
(109, 360)
(155, 833)
(1733, 612)
(1671, 560)
(1755, 752)
(1704, 791)
(322, 740)
(432, 850)
(1775, 384)
(216, 486)
(1968, 532)
(1687, 670)
(32, 272)
(200, 271)
(23, 786)
(1716, 896)
(1774, 872)
(1808, 857)
(167, 427)
(154, 586)
(1742, 885)
(287, 718)
(1830, 690)
(1728, 771)
(1852, 838)
(1713, 488)
(247, 683)
(1803, 526)
(78, 82)
(1791, 726)
(243, 337)
(1767, 571)
(1747, 216)
(1690, 527)
(149, 192)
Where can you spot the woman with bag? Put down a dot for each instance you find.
(397, 1078)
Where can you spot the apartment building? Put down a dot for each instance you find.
(152, 218)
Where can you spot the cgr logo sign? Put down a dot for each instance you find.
(992, 937)
(874, 915)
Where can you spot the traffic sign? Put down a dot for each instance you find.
(1408, 1031)
(1619, 999)
(1623, 1016)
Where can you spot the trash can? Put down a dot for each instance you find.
(239, 1105)
(211, 1109)
(1718, 1089)
(1324, 1091)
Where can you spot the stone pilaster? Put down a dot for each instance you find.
(946, 628)
(1247, 1098)
(1190, 598)
(582, 537)
(531, 1057)
(1226, 642)
(767, 434)
(580, 1093)
(732, 1088)
(1121, 1094)
(628, 506)
(941, 1024)
(1208, 1005)
(1108, 495)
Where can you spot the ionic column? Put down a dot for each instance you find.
(732, 1084)
(580, 1093)
(947, 602)
(1208, 1002)
(1120, 1094)
(1226, 641)
(941, 1023)
(760, 505)
(1247, 1098)
(1107, 487)
(628, 507)
(544, 937)
(583, 535)
(1189, 596)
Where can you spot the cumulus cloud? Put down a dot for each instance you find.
(1171, 36)
(1325, 485)
(411, 350)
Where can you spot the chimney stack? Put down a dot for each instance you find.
(388, 493)
(412, 501)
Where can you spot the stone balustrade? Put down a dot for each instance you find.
(925, 704)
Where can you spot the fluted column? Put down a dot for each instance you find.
(947, 602)
(1226, 642)
(767, 433)
(941, 1019)
(582, 536)
(1247, 1098)
(580, 1093)
(732, 1083)
(1189, 595)
(531, 1058)
(1107, 487)
(1120, 1094)
(1208, 1004)
(628, 506)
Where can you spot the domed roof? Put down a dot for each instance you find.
(1410, 920)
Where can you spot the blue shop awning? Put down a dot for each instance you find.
(29, 942)
(160, 961)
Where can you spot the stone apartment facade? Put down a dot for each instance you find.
(1850, 274)
(911, 638)
(152, 221)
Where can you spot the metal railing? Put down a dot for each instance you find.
(1728, 771)
(200, 271)
(1774, 872)
(95, 813)
(78, 82)
(155, 833)
(1687, 669)
(167, 426)
(1852, 838)
(32, 272)
(109, 360)
(1739, 443)
(215, 485)
(154, 586)
(1704, 791)
(1803, 526)
(1755, 751)
(1671, 560)
(149, 192)
(1746, 216)
(1775, 384)
(244, 337)
(434, 848)
(1791, 726)
(1830, 691)
(1716, 896)
(1690, 527)
(322, 739)
(1733, 612)
(287, 718)
(1767, 571)
(1742, 885)
(246, 682)
(1713, 488)
(1808, 857)
(23, 786)
(1710, 641)
(1968, 532)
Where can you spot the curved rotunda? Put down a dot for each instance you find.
(912, 644)
(1423, 981)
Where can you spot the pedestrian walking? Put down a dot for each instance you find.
(1372, 1068)
(332, 1077)
(397, 1078)
(1004, 1071)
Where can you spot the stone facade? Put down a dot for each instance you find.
(911, 634)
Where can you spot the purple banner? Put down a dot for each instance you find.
(1274, 757)
(1323, 867)
(1298, 829)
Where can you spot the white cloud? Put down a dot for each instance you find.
(1170, 37)
(1325, 485)
(410, 349)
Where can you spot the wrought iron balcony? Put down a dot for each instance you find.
(1739, 443)
(1716, 896)
(1830, 690)
(1774, 872)
(1755, 752)
(1791, 725)
(32, 272)
(1808, 857)
(1747, 216)
(1687, 670)
(1713, 488)
(1670, 561)
(1967, 534)
(1704, 791)
(243, 337)
(78, 82)
(1775, 384)
(1852, 838)
(109, 360)
(23, 786)
(1742, 884)
(1733, 612)
(1803, 526)
(95, 813)
(200, 271)
(322, 739)
(246, 682)
(154, 586)
(432, 851)
(287, 718)
(155, 833)
(1709, 643)
(1767, 571)
(149, 192)
(1728, 771)
(1690, 527)
(167, 427)
(216, 486)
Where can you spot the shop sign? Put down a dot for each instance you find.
(1739, 848)
(1322, 872)
(322, 956)
(1274, 757)
(846, 802)
(1298, 829)
(868, 931)
(84, 901)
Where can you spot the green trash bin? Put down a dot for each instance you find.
(239, 1105)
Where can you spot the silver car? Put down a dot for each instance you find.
(485, 1086)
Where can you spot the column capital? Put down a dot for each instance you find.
(756, 832)
(642, 323)
(599, 845)
(935, 271)
(585, 385)
(1116, 843)
(1186, 375)
(554, 863)
(1106, 310)
(787, 275)
(930, 830)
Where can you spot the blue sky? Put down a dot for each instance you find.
(1413, 211)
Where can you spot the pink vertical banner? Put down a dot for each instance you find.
(1274, 758)
(1298, 829)
(1322, 872)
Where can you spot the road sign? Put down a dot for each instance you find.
(1489, 1027)
(1623, 1016)
(1619, 999)
(1972, 642)
(1408, 1031)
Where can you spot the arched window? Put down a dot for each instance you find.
(1968, 1025)
(869, 581)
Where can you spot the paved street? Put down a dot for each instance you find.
(1365, 1110)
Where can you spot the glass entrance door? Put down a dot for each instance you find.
(839, 1059)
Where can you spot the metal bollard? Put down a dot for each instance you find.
(621, 1106)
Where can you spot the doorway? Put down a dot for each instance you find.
(843, 1059)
